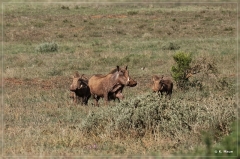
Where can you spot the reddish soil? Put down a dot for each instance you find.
(108, 16)
(46, 84)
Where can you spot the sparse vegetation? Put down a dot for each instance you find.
(170, 46)
(148, 114)
(227, 147)
(132, 12)
(44, 44)
(47, 47)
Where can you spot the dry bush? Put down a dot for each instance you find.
(205, 76)
(149, 114)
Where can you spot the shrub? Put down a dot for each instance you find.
(150, 114)
(132, 12)
(226, 85)
(47, 47)
(183, 61)
(229, 146)
(205, 76)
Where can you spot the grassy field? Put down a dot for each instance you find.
(45, 43)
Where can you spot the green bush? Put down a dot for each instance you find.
(47, 47)
(183, 61)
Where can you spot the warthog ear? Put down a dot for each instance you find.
(126, 67)
(118, 68)
(154, 78)
(76, 74)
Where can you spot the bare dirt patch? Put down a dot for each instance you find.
(108, 16)
(46, 84)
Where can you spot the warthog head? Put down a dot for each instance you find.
(77, 83)
(156, 83)
(74, 84)
(161, 85)
(121, 75)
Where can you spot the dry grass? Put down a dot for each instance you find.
(40, 119)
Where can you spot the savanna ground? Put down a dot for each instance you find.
(39, 118)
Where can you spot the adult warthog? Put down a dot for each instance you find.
(79, 89)
(102, 85)
(163, 84)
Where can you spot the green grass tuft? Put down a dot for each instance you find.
(47, 47)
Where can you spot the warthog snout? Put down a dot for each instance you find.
(132, 83)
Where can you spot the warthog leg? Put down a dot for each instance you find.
(96, 99)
